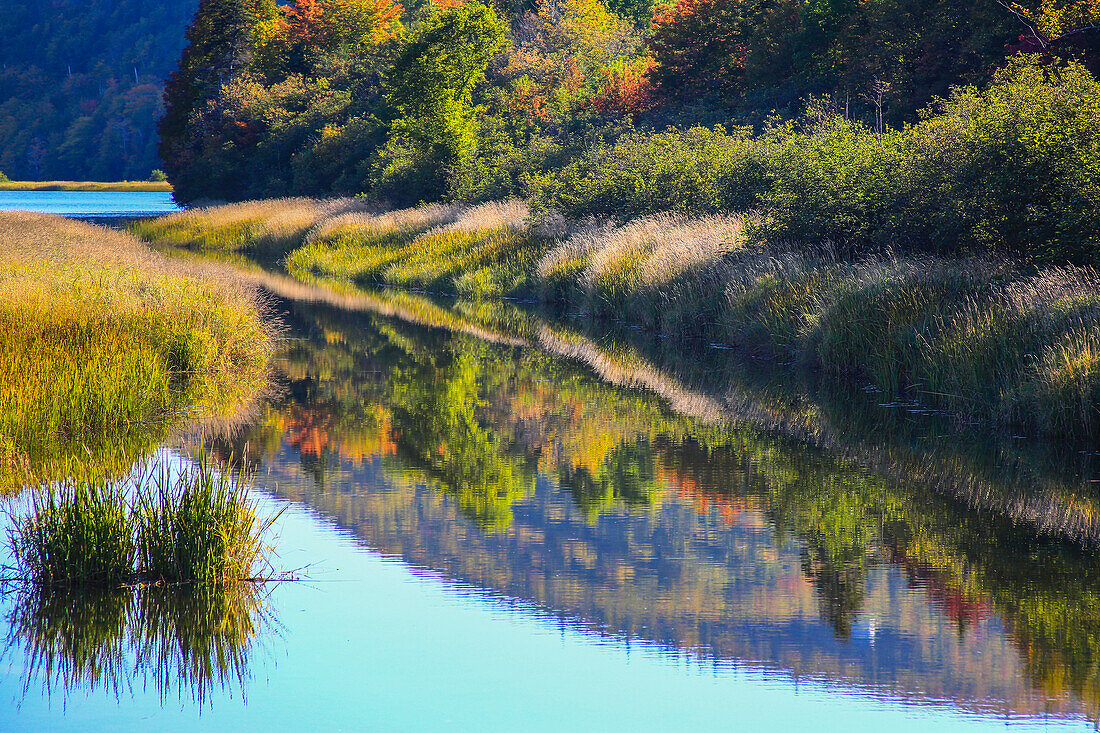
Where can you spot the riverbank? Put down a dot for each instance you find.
(96, 186)
(108, 344)
(982, 339)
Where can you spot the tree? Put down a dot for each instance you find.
(1060, 28)
(700, 48)
(431, 87)
(221, 41)
(310, 32)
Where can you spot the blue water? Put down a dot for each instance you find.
(89, 203)
(372, 643)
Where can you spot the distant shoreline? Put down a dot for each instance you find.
(138, 186)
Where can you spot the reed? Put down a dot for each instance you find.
(974, 336)
(275, 225)
(199, 525)
(202, 526)
(79, 533)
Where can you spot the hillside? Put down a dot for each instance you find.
(81, 84)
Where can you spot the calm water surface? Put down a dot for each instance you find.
(495, 539)
(90, 203)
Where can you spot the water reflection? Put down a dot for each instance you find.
(518, 473)
(186, 642)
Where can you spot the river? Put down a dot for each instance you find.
(493, 536)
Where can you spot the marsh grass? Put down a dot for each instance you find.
(148, 186)
(106, 342)
(480, 251)
(80, 533)
(202, 526)
(987, 340)
(198, 526)
(275, 225)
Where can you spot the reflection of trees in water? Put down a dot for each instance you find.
(436, 427)
(967, 562)
(188, 639)
(626, 476)
(476, 421)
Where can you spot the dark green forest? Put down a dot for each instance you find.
(81, 84)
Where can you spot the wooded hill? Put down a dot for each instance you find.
(81, 84)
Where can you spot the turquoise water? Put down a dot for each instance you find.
(374, 643)
(491, 538)
(89, 203)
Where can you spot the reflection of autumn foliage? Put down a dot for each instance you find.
(316, 432)
(962, 605)
(704, 498)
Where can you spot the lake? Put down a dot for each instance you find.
(494, 536)
(90, 204)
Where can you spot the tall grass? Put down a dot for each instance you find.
(485, 250)
(106, 341)
(202, 526)
(80, 533)
(198, 526)
(976, 336)
(146, 186)
(277, 225)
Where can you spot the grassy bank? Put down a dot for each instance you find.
(107, 342)
(982, 338)
(149, 186)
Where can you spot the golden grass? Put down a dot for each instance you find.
(484, 250)
(971, 336)
(107, 342)
(147, 186)
(279, 225)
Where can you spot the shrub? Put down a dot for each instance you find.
(1013, 168)
(696, 171)
(834, 183)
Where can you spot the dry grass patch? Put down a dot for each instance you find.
(273, 225)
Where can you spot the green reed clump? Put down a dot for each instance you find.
(200, 526)
(80, 533)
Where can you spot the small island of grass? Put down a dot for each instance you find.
(94, 186)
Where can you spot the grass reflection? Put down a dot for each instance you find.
(190, 641)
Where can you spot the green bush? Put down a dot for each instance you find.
(1013, 168)
(695, 171)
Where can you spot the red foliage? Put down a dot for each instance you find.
(303, 21)
(626, 90)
